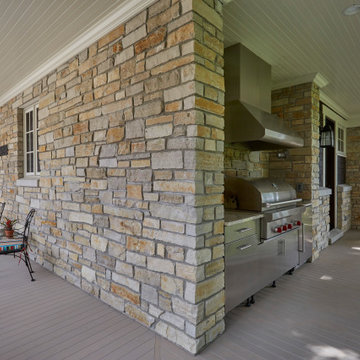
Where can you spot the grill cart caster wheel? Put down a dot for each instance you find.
(291, 271)
(248, 302)
(252, 300)
(273, 285)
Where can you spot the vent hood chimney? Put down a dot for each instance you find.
(248, 117)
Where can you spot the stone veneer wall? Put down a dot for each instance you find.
(299, 107)
(352, 173)
(239, 161)
(324, 219)
(130, 196)
(344, 207)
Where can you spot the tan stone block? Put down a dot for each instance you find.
(74, 247)
(138, 147)
(115, 135)
(81, 127)
(160, 265)
(208, 13)
(152, 223)
(160, 250)
(100, 80)
(172, 285)
(158, 131)
(173, 64)
(46, 100)
(174, 186)
(164, 17)
(140, 163)
(140, 245)
(214, 267)
(139, 315)
(208, 105)
(114, 74)
(134, 191)
(173, 106)
(113, 35)
(99, 242)
(189, 272)
(45, 182)
(84, 150)
(219, 227)
(155, 145)
(127, 69)
(125, 293)
(173, 226)
(130, 227)
(151, 40)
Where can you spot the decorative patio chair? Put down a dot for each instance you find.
(2, 207)
(18, 245)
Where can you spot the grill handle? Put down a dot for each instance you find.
(288, 202)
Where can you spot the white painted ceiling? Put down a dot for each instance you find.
(300, 37)
(297, 37)
(33, 31)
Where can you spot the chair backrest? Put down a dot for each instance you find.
(2, 207)
(28, 220)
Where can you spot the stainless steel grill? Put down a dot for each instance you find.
(275, 199)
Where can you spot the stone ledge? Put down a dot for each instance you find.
(28, 182)
(344, 188)
(323, 191)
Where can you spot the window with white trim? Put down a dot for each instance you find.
(31, 150)
(341, 140)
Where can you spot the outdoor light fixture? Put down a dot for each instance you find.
(352, 10)
(326, 137)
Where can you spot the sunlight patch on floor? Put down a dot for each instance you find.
(326, 277)
(323, 352)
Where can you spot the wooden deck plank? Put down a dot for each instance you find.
(315, 309)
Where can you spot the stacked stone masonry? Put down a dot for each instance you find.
(323, 227)
(299, 107)
(344, 207)
(352, 173)
(129, 200)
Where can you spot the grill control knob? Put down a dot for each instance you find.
(298, 223)
(284, 228)
(278, 229)
(289, 226)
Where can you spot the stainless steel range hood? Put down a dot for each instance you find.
(248, 117)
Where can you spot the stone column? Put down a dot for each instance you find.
(299, 107)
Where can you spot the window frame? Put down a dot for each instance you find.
(34, 108)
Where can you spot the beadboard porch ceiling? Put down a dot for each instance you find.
(297, 37)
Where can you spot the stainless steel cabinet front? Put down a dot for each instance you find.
(242, 230)
(241, 269)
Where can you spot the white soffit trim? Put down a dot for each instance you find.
(317, 78)
(354, 121)
(120, 15)
(333, 105)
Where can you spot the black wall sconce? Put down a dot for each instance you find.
(327, 136)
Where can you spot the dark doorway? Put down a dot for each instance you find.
(330, 175)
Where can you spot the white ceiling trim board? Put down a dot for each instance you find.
(317, 78)
(334, 106)
(120, 15)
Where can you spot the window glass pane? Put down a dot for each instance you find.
(27, 122)
(29, 163)
(31, 141)
(31, 122)
(32, 162)
(28, 142)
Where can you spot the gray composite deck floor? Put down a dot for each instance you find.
(313, 314)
